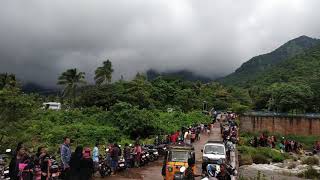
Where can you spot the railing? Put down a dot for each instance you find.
(263, 113)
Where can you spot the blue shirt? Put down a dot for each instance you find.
(95, 154)
(65, 155)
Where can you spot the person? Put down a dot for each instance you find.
(168, 139)
(114, 157)
(156, 141)
(137, 151)
(198, 130)
(282, 147)
(223, 174)
(127, 154)
(19, 157)
(65, 151)
(255, 141)
(86, 165)
(74, 164)
(95, 156)
(43, 158)
(173, 138)
(187, 137)
(189, 174)
(316, 148)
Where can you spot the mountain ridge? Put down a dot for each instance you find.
(250, 69)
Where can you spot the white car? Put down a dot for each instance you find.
(213, 152)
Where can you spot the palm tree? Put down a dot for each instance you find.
(71, 79)
(7, 80)
(104, 73)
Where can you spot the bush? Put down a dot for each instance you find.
(311, 161)
(245, 160)
(273, 154)
(310, 173)
(260, 159)
(262, 155)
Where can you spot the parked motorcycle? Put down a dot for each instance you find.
(104, 168)
(153, 153)
(121, 164)
(54, 169)
(144, 158)
(4, 169)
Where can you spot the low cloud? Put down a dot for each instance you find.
(42, 38)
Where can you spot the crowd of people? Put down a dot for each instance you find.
(84, 162)
(187, 135)
(285, 145)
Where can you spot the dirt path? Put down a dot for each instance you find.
(153, 170)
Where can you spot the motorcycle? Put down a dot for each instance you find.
(121, 164)
(104, 168)
(4, 170)
(213, 172)
(153, 153)
(144, 158)
(54, 169)
(162, 148)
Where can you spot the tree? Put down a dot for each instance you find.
(286, 97)
(7, 80)
(103, 74)
(70, 79)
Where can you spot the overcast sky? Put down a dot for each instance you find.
(39, 39)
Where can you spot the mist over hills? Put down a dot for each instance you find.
(182, 74)
(247, 74)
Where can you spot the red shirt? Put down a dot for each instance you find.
(174, 138)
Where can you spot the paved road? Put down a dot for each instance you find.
(153, 170)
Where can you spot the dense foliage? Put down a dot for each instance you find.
(292, 85)
(164, 92)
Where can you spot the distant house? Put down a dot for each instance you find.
(52, 105)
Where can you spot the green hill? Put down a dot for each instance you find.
(303, 68)
(251, 69)
(293, 84)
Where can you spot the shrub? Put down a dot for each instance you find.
(310, 173)
(311, 161)
(245, 160)
(260, 159)
(267, 153)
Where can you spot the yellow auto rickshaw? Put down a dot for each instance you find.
(176, 161)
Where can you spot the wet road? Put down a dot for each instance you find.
(152, 171)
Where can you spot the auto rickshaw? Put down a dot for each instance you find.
(176, 161)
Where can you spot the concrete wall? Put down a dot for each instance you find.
(280, 124)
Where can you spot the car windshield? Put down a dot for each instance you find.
(214, 149)
(178, 156)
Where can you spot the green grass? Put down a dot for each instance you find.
(261, 155)
(310, 174)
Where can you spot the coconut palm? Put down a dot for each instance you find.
(7, 80)
(103, 74)
(70, 79)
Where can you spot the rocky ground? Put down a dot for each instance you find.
(288, 170)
